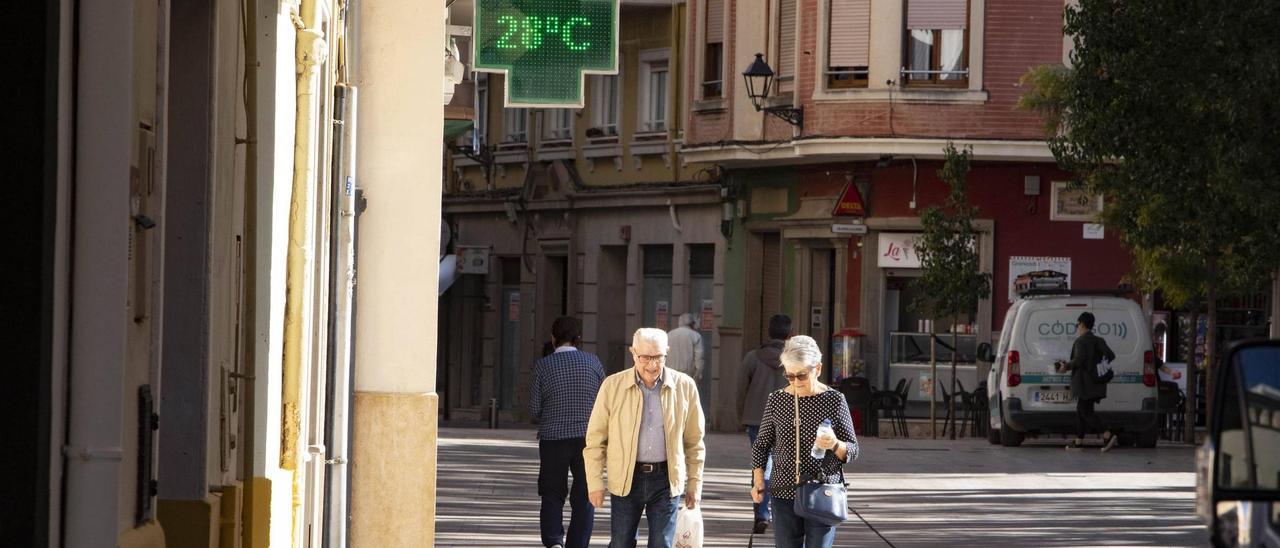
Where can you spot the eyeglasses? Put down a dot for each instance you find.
(797, 377)
(649, 358)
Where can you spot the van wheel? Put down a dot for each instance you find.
(1010, 437)
(1148, 439)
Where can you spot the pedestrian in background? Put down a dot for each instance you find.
(808, 402)
(685, 354)
(761, 376)
(565, 383)
(1087, 385)
(657, 450)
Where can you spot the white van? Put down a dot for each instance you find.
(1028, 397)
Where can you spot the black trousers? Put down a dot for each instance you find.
(1087, 421)
(558, 459)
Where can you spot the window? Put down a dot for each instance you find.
(786, 55)
(515, 124)
(604, 107)
(713, 54)
(654, 77)
(937, 32)
(848, 43)
(557, 124)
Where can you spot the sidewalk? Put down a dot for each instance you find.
(915, 491)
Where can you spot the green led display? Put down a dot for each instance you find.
(545, 46)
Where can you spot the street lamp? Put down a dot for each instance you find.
(759, 77)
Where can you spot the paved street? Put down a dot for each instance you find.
(916, 492)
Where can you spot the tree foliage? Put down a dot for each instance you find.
(1169, 112)
(951, 282)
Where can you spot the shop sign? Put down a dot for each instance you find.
(1021, 265)
(473, 260)
(898, 250)
(1073, 204)
(546, 48)
(850, 203)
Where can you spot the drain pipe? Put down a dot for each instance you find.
(312, 52)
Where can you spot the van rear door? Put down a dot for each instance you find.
(1120, 322)
(1048, 331)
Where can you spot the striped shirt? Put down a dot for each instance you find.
(564, 390)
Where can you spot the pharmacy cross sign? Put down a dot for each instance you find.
(545, 47)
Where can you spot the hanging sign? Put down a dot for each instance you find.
(1019, 265)
(661, 311)
(545, 48)
(708, 320)
(849, 204)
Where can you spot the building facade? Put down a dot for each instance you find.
(590, 212)
(188, 329)
(882, 86)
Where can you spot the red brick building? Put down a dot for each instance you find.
(881, 86)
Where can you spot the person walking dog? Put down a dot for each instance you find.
(793, 418)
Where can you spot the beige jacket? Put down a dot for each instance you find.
(613, 433)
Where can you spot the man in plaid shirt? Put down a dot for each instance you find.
(565, 384)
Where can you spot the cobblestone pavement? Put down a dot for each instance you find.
(916, 492)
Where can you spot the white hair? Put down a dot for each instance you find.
(688, 320)
(652, 335)
(801, 351)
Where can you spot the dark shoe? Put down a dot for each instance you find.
(1075, 445)
(760, 526)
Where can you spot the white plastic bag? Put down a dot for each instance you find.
(688, 528)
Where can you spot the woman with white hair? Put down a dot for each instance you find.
(807, 401)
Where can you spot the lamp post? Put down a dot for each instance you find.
(758, 78)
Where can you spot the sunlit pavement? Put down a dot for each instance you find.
(916, 492)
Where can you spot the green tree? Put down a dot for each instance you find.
(951, 282)
(1168, 111)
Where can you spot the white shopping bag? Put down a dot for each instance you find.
(1104, 367)
(689, 528)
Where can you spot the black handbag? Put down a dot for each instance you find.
(825, 503)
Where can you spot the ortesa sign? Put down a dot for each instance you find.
(897, 250)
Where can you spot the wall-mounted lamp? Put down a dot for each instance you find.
(884, 160)
(759, 77)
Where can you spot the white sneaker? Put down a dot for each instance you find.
(1111, 442)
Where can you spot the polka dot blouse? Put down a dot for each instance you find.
(778, 432)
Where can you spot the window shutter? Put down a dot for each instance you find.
(715, 21)
(937, 14)
(850, 33)
(786, 38)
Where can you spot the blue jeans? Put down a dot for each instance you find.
(650, 495)
(558, 458)
(762, 509)
(792, 531)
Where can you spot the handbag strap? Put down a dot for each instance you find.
(797, 443)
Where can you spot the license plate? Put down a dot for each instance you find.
(1054, 396)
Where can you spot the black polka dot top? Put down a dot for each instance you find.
(777, 438)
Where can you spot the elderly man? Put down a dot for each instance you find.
(656, 451)
(685, 355)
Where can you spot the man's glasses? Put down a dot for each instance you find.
(797, 377)
(649, 358)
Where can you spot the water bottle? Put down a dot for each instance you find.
(824, 428)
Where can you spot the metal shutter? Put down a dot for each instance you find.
(786, 38)
(850, 33)
(715, 21)
(937, 14)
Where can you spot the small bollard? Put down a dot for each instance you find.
(493, 413)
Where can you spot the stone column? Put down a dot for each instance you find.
(399, 66)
